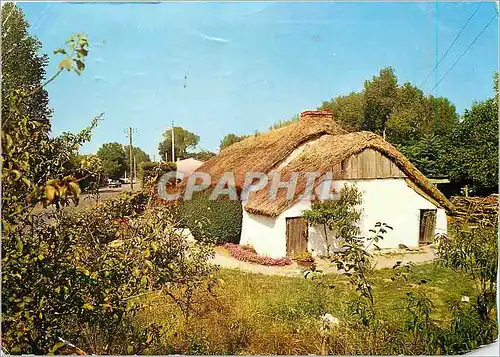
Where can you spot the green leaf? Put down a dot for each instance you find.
(80, 65)
(17, 174)
(57, 346)
(50, 192)
(87, 306)
(115, 244)
(82, 52)
(75, 187)
(19, 246)
(66, 63)
(60, 50)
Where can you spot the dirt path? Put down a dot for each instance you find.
(224, 260)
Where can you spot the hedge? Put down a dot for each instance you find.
(151, 169)
(216, 220)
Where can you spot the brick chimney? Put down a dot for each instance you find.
(315, 115)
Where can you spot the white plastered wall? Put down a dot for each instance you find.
(384, 200)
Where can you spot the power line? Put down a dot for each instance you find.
(463, 53)
(496, 7)
(449, 48)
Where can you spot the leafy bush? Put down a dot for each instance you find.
(304, 257)
(77, 275)
(219, 220)
(337, 217)
(246, 255)
(474, 251)
(154, 170)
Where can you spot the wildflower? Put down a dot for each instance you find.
(328, 321)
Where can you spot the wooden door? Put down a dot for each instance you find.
(296, 236)
(427, 226)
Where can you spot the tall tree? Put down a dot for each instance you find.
(230, 139)
(380, 97)
(429, 155)
(348, 110)
(23, 68)
(473, 157)
(137, 153)
(443, 116)
(409, 118)
(114, 160)
(184, 141)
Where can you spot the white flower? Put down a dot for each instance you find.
(329, 321)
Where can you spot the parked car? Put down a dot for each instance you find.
(115, 183)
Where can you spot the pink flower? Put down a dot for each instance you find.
(247, 255)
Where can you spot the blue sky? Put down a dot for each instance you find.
(249, 64)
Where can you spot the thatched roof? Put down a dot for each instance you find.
(260, 153)
(325, 154)
(328, 145)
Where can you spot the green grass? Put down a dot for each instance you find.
(260, 314)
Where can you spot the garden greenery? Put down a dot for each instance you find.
(338, 217)
(218, 219)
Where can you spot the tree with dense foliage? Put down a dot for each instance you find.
(184, 141)
(23, 68)
(380, 98)
(230, 139)
(403, 112)
(114, 160)
(417, 124)
(428, 155)
(30, 157)
(137, 153)
(408, 120)
(348, 110)
(473, 153)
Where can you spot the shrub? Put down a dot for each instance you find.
(77, 275)
(474, 252)
(219, 220)
(150, 172)
(246, 255)
(304, 257)
(338, 218)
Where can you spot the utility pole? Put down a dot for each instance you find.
(130, 159)
(135, 169)
(173, 143)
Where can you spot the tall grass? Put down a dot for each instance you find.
(258, 314)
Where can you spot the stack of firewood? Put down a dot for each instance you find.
(476, 209)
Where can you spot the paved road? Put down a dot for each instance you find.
(88, 200)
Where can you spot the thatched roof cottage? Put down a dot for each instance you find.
(393, 190)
